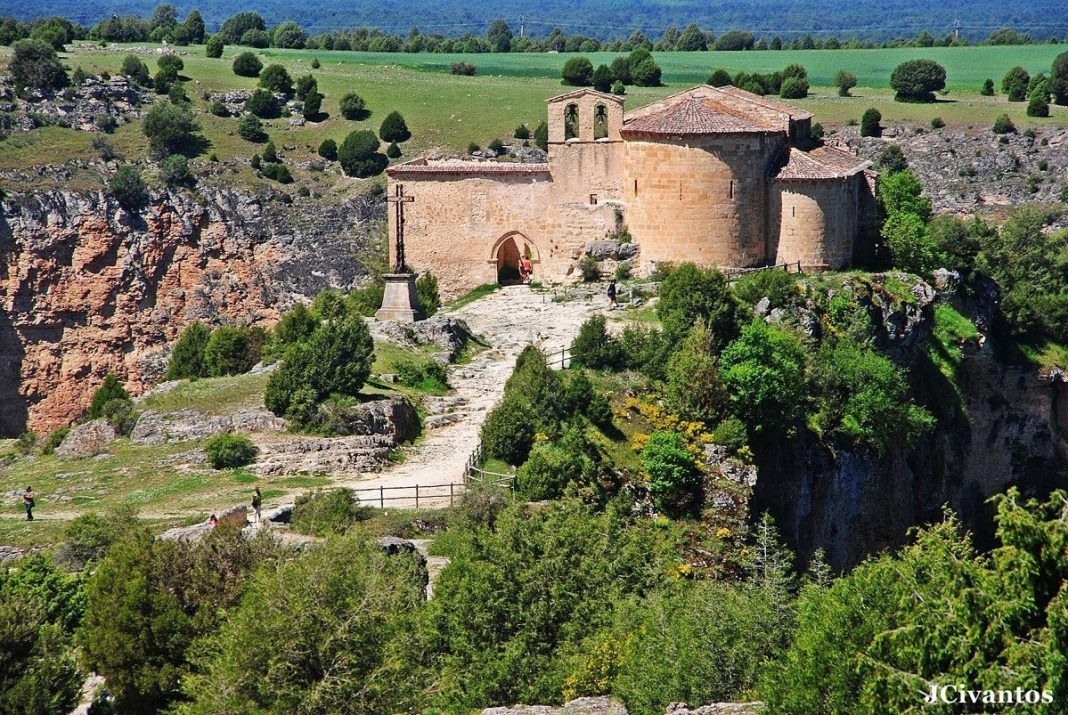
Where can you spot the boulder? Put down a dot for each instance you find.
(87, 440)
(600, 705)
(752, 708)
(392, 416)
(158, 427)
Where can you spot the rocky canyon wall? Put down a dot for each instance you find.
(87, 288)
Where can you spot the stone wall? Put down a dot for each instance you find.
(700, 200)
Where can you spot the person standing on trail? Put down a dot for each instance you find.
(28, 502)
(526, 268)
(257, 501)
(612, 295)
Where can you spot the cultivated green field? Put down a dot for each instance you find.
(447, 112)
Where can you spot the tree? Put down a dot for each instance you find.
(256, 38)
(794, 88)
(692, 40)
(236, 26)
(426, 291)
(332, 617)
(353, 107)
(917, 80)
(270, 154)
(602, 78)
(394, 128)
(499, 36)
(215, 46)
(892, 159)
(1003, 125)
(229, 451)
(644, 71)
(232, 351)
(734, 41)
(541, 136)
(844, 81)
(620, 68)
(694, 388)
(170, 128)
(720, 78)
(902, 192)
(129, 188)
(187, 357)
(135, 70)
(1038, 99)
(577, 72)
(988, 88)
(674, 480)
(336, 359)
(110, 389)
(618, 88)
(34, 65)
(313, 104)
(275, 78)
(247, 65)
(174, 170)
(305, 84)
(164, 17)
(359, 154)
(194, 27)
(288, 35)
(262, 104)
(328, 150)
(250, 128)
(1058, 79)
(689, 294)
(869, 123)
(594, 348)
(1015, 83)
(763, 371)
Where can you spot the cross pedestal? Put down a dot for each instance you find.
(399, 301)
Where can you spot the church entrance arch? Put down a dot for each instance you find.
(508, 253)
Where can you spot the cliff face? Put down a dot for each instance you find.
(1004, 425)
(87, 288)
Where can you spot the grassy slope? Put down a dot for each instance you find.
(449, 111)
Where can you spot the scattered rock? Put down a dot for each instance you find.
(752, 708)
(581, 706)
(158, 427)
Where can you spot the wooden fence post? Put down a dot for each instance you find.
(416, 496)
(381, 497)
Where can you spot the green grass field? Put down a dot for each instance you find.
(447, 112)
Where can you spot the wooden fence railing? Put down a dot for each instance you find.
(427, 494)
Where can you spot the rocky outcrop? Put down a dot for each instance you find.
(393, 417)
(580, 706)
(87, 288)
(95, 106)
(446, 333)
(87, 440)
(158, 427)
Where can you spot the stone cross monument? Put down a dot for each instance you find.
(399, 301)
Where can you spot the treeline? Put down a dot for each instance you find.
(250, 29)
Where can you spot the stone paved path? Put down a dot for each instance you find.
(507, 320)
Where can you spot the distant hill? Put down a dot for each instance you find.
(867, 19)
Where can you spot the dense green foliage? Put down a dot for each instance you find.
(426, 291)
(1014, 84)
(553, 465)
(214, 46)
(169, 128)
(577, 72)
(227, 451)
(110, 389)
(938, 612)
(275, 78)
(247, 64)
(359, 155)
(674, 480)
(394, 128)
(233, 350)
(321, 513)
(129, 188)
(869, 123)
(353, 107)
(917, 80)
(250, 128)
(845, 81)
(187, 357)
(34, 65)
(689, 294)
(593, 347)
(763, 372)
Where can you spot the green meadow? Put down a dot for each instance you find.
(448, 112)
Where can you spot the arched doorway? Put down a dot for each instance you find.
(507, 255)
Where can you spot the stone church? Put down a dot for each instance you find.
(717, 176)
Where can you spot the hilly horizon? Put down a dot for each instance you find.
(604, 19)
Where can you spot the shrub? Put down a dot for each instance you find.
(313, 104)
(720, 78)
(172, 64)
(892, 159)
(270, 154)
(170, 128)
(551, 466)
(214, 47)
(336, 359)
(394, 129)
(328, 150)
(618, 88)
(426, 291)
(463, 68)
(521, 132)
(473, 148)
(229, 451)
(694, 389)
(643, 348)
(779, 287)
(353, 107)
(674, 480)
(644, 71)
(869, 123)
(34, 64)
(763, 371)
(577, 72)
(250, 128)
(422, 374)
(508, 431)
(601, 79)
(496, 146)
(218, 109)
(262, 104)
(1015, 83)
(187, 358)
(105, 122)
(988, 88)
(109, 390)
(938, 123)
(54, 439)
(232, 351)
(844, 81)
(135, 70)
(917, 80)
(594, 348)
(247, 64)
(322, 513)
(359, 154)
(129, 188)
(255, 38)
(794, 88)
(275, 78)
(589, 270)
(689, 294)
(174, 170)
(316, 64)
(105, 149)
(541, 136)
(1003, 125)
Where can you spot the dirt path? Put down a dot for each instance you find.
(507, 321)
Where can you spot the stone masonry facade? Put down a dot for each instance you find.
(717, 176)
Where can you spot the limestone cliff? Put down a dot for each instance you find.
(1001, 424)
(87, 288)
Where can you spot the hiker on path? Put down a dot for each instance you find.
(28, 502)
(612, 295)
(257, 501)
(214, 521)
(526, 268)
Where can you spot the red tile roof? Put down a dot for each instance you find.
(695, 116)
(765, 101)
(822, 163)
(459, 166)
